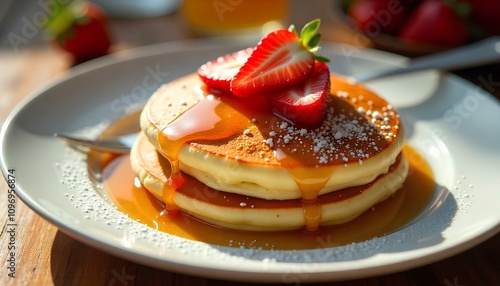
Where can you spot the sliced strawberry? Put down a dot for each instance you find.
(306, 103)
(278, 60)
(281, 59)
(217, 74)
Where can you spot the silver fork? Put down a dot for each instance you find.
(480, 53)
(119, 144)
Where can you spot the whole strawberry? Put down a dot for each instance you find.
(80, 28)
(435, 22)
(375, 16)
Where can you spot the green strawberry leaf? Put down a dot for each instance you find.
(60, 22)
(462, 9)
(310, 38)
(309, 30)
(321, 59)
(65, 16)
(314, 41)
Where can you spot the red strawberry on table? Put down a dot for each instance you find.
(282, 58)
(81, 29)
(306, 103)
(217, 74)
(487, 14)
(435, 22)
(375, 16)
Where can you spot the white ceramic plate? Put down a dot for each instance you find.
(453, 123)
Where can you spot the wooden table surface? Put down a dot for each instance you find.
(46, 256)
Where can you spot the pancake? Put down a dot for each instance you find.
(241, 147)
(234, 163)
(236, 211)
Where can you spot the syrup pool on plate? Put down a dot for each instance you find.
(386, 217)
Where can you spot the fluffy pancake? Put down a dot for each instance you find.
(248, 213)
(266, 157)
(246, 168)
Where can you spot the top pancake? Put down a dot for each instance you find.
(359, 139)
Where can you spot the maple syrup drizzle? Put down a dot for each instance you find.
(209, 119)
(213, 119)
(310, 183)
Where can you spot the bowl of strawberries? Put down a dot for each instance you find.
(417, 27)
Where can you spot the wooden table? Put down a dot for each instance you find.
(46, 256)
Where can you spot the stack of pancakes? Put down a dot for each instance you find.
(243, 167)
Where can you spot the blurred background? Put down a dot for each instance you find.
(40, 39)
(410, 27)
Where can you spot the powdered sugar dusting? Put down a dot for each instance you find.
(355, 128)
(357, 134)
(463, 193)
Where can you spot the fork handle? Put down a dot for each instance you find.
(483, 52)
